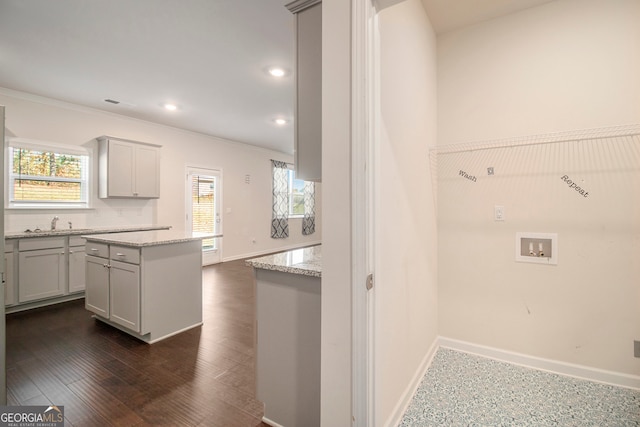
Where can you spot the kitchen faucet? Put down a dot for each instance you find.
(53, 222)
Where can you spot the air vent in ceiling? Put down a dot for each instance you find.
(112, 101)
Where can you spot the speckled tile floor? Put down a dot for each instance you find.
(461, 389)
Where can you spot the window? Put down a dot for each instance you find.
(296, 194)
(43, 175)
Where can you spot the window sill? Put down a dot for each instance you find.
(42, 208)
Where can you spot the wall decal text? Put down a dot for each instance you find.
(573, 185)
(466, 175)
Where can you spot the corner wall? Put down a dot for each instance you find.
(336, 373)
(566, 65)
(405, 221)
(246, 208)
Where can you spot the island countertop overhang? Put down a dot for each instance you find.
(141, 239)
(305, 261)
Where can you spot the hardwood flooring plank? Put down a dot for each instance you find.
(21, 386)
(104, 403)
(59, 394)
(102, 376)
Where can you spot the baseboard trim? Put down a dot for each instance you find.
(270, 422)
(402, 405)
(557, 367)
(271, 251)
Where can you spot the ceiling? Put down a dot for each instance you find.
(447, 15)
(208, 57)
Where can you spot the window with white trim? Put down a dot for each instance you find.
(42, 175)
(296, 194)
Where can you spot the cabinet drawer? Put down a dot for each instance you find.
(97, 249)
(124, 254)
(76, 241)
(44, 243)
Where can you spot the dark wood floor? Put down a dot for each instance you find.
(203, 377)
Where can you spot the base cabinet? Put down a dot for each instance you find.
(9, 279)
(124, 294)
(42, 274)
(77, 274)
(97, 289)
(113, 291)
(150, 292)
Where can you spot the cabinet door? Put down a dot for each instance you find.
(121, 169)
(147, 177)
(42, 274)
(97, 285)
(9, 285)
(76, 269)
(308, 120)
(125, 295)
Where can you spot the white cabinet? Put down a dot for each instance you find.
(9, 275)
(151, 291)
(308, 101)
(113, 287)
(41, 268)
(128, 168)
(124, 295)
(97, 289)
(76, 264)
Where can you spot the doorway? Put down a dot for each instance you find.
(203, 207)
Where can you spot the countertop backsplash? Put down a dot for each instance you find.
(105, 213)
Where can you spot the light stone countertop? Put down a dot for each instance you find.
(305, 261)
(82, 231)
(139, 239)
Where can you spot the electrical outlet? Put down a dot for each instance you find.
(636, 348)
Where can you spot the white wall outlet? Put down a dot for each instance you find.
(498, 213)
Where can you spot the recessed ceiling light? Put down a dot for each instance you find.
(170, 107)
(277, 72)
(280, 122)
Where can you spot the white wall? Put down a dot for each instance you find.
(32, 117)
(336, 384)
(565, 65)
(405, 221)
(568, 64)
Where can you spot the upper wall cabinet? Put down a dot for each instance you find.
(128, 168)
(308, 72)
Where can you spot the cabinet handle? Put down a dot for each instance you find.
(119, 254)
(94, 249)
(70, 252)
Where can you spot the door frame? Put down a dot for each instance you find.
(214, 256)
(3, 334)
(364, 137)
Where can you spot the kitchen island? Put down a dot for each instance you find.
(45, 267)
(147, 284)
(287, 289)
